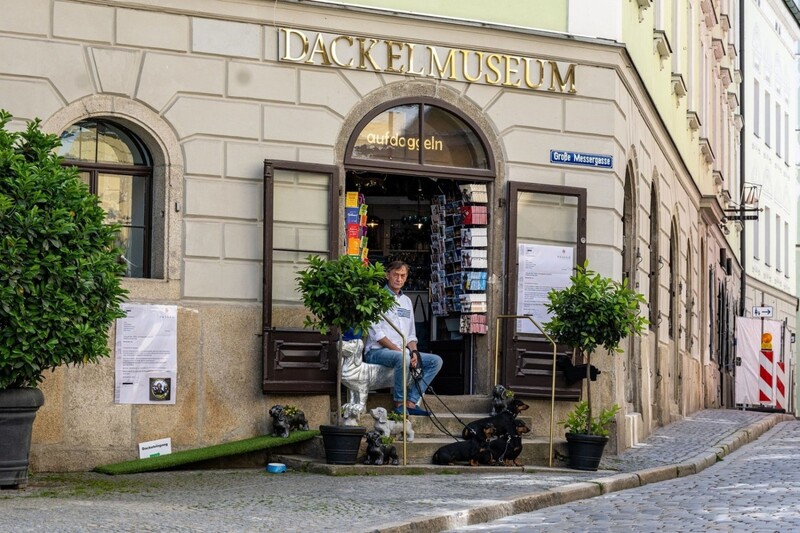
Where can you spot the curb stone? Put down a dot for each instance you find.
(585, 490)
(656, 474)
(617, 482)
(576, 491)
(704, 460)
(686, 469)
(533, 502)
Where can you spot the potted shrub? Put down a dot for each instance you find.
(60, 288)
(345, 295)
(591, 312)
(586, 449)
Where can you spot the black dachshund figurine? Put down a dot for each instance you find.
(503, 423)
(506, 449)
(473, 451)
(286, 418)
(574, 373)
(379, 454)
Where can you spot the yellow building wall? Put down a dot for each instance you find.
(656, 74)
(541, 14)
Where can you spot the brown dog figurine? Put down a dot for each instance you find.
(503, 423)
(506, 449)
(471, 451)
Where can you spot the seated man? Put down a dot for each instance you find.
(383, 345)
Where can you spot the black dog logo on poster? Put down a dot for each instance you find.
(160, 389)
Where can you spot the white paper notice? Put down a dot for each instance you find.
(154, 448)
(541, 268)
(147, 354)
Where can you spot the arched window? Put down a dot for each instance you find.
(117, 167)
(689, 299)
(655, 256)
(674, 274)
(419, 136)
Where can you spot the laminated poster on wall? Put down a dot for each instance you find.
(541, 269)
(146, 355)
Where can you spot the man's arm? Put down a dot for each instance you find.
(386, 343)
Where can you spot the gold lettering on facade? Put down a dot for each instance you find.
(321, 49)
(287, 45)
(364, 54)
(391, 55)
(562, 83)
(450, 63)
(528, 82)
(439, 62)
(421, 71)
(509, 71)
(335, 56)
(493, 64)
(465, 65)
(410, 69)
(401, 141)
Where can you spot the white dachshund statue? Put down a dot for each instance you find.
(388, 427)
(360, 377)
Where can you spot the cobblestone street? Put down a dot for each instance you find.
(755, 489)
(252, 500)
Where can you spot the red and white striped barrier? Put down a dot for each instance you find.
(765, 370)
(780, 386)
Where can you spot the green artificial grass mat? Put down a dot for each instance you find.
(162, 462)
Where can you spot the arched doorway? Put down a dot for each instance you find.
(630, 260)
(418, 180)
(673, 323)
(425, 173)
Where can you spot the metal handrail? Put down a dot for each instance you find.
(405, 385)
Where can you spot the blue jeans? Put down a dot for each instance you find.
(431, 364)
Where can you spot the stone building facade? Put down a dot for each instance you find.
(250, 114)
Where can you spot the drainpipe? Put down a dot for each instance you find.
(742, 159)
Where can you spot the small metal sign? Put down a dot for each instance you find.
(764, 311)
(567, 157)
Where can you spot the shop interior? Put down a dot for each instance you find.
(428, 223)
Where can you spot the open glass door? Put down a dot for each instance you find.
(549, 217)
(300, 219)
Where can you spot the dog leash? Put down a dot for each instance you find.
(434, 419)
(505, 451)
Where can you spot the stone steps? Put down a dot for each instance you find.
(465, 409)
(535, 451)
(431, 433)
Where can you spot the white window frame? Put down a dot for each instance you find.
(778, 243)
(756, 108)
(767, 248)
(756, 239)
(767, 119)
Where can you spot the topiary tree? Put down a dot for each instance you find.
(343, 294)
(594, 311)
(59, 264)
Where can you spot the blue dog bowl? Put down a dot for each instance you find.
(276, 468)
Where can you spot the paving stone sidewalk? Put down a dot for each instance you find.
(253, 500)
